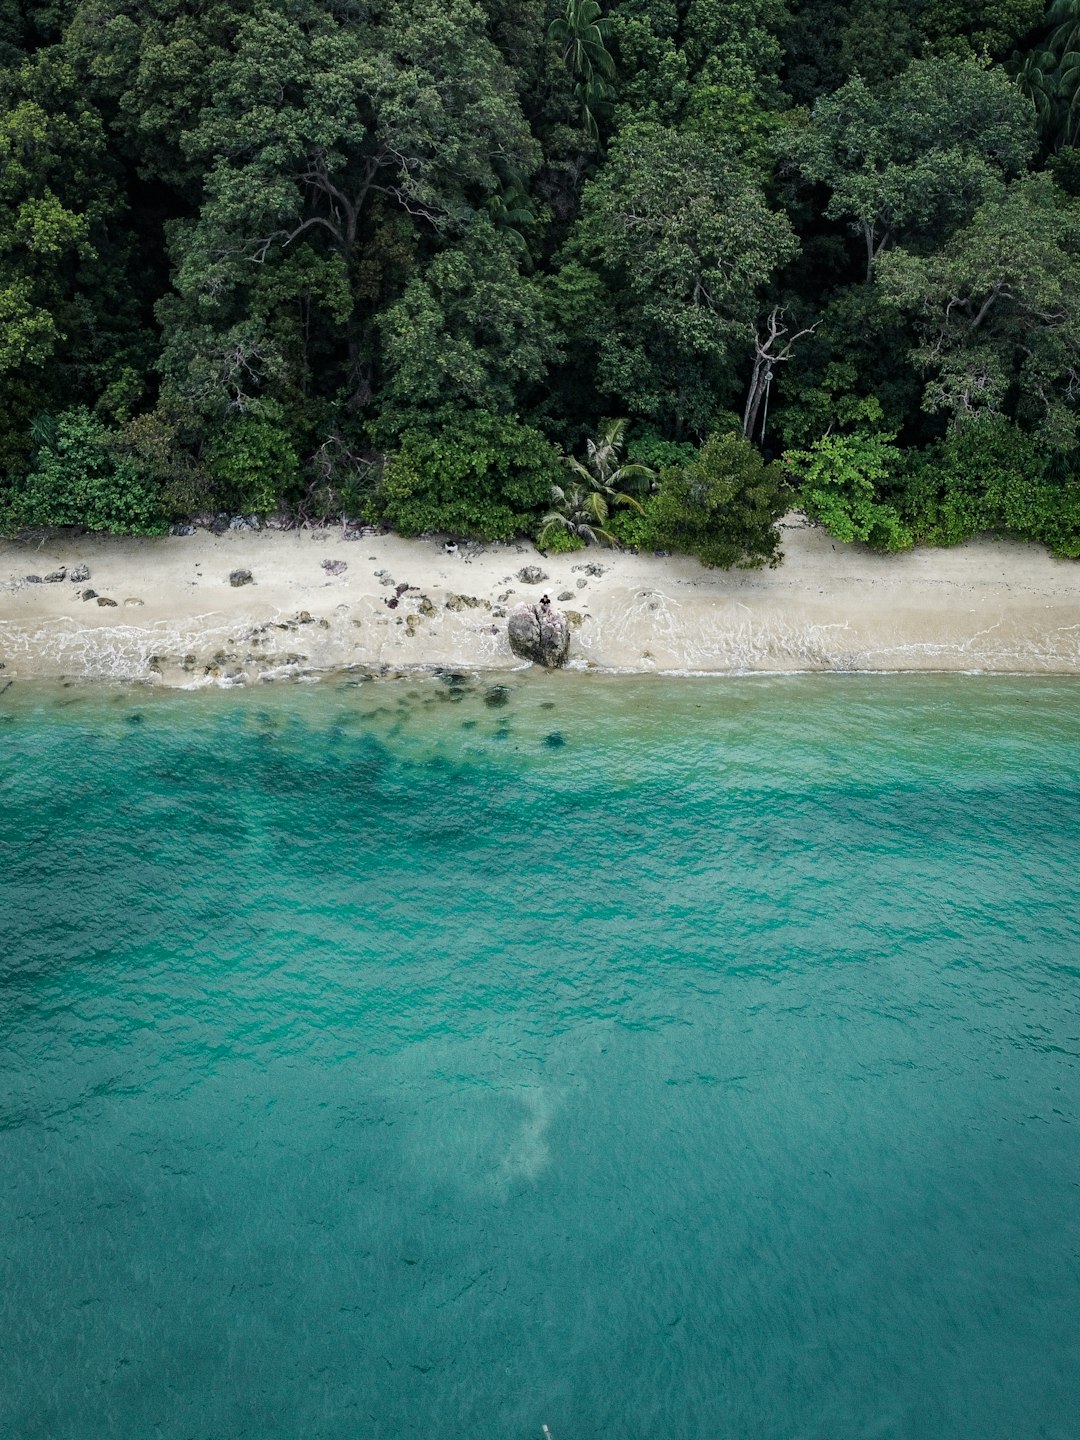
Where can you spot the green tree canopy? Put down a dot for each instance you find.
(911, 159)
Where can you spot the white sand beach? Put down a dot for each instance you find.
(175, 619)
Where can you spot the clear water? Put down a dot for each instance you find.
(689, 1060)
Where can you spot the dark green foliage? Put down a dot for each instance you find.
(478, 474)
(251, 462)
(990, 476)
(81, 475)
(722, 506)
(339, 257)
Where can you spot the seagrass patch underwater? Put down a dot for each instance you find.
(681, 1059)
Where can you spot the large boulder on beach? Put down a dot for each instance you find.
(539, 633)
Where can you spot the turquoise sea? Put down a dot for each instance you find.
(650, 1059)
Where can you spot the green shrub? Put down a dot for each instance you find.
(842, 479)
(80, 475)
(648, 447)
(252, 462)
(722, 506)
(561, 542)
(479, 475)
(632, 529)
(991, 476)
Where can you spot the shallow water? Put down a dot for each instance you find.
(670, 1059)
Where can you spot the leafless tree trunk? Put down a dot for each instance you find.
(766, 355)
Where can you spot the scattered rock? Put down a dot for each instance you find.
(662, 554)
(567, 595)
(539, 633)
(392, 602)
(79, 575)
(575, 618)
(32, 579)
(88, 595)
(241, 577)
(334, 567)
(462, 602)
(55, 576)
(591, 568)
(499, 611)
(497, 696)
(182, 529)
(104, 600)
(399, 590)
(427, 608)
(132, 601)
(304, 618)
(531, 575)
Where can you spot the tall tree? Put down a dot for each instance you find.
(911, 160)
(684, 238)
(998, 312)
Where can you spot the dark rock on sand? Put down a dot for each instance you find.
(79, 575)
(335, 567)
(104, 600)
(531, 575)
(241, 577)
(55, 576)
(539, 633)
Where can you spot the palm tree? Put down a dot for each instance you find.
(1037, 79)
(1050, 76)
(581, 34)
(604, 469)
(602, 481)
(582, 513)
(1064, 16)
(511, 210)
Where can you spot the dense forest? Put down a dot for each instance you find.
(647, 274)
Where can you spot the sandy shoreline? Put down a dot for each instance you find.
(985, 606)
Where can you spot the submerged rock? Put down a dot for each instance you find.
(539, 633)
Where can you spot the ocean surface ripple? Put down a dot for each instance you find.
(662, 1060)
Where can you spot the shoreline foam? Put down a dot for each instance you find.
(987, 606)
